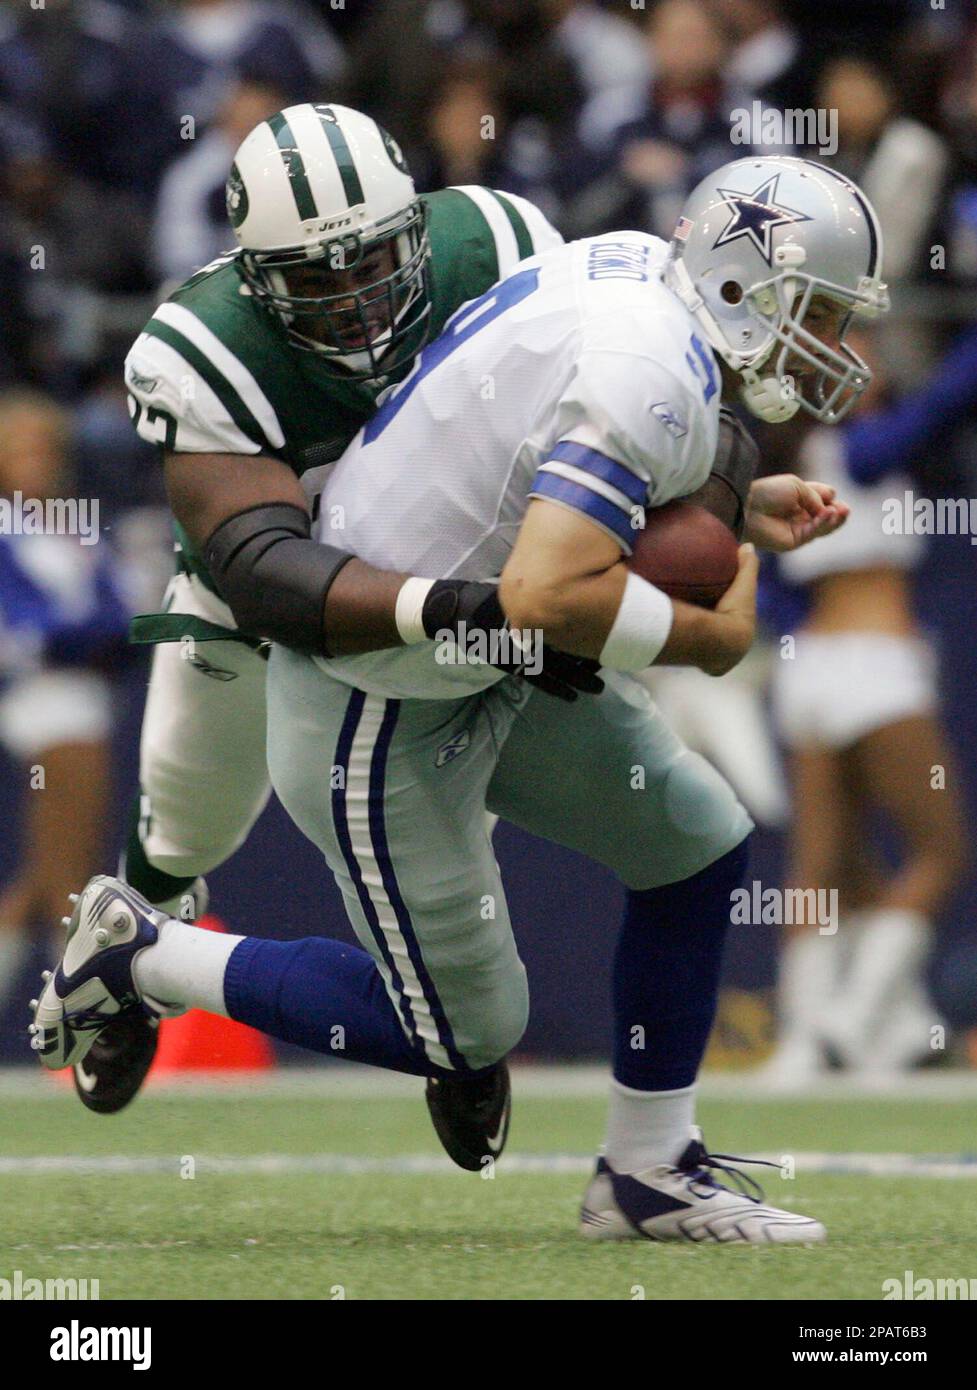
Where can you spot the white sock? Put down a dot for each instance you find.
(905, 1036)
(806, 983)
(186, 967)
(888, 951)
(645, 1128)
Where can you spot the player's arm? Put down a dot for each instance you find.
(779, 512)
(566, 577)
(248, 516)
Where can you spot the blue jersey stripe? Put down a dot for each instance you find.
(613, 518)
(607, 469)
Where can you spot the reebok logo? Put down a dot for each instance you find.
(453, 748)
(207, 668)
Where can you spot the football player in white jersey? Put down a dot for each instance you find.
(526, 444)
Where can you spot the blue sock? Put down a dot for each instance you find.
(320, 994)
(666, 975)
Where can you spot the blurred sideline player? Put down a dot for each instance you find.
(61, 615)
(603, 357)
(857, 707)
(277, 352)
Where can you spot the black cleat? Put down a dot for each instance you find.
(110, 1074)
(471, 1115)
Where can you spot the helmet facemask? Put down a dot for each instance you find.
(367, 331)
(840, 374)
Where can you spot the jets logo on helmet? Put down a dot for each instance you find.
(395, 152)
(237, 198)
(333, 237)
(762, 244)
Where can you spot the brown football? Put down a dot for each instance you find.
(686, 551)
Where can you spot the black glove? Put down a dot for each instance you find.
(471, 610)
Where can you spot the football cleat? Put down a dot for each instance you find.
(93, 986)
(471, 1115)
(112, 1072)
(686, 1202)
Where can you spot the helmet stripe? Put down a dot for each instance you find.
(866, 207)
(294, 166)
(342, 154)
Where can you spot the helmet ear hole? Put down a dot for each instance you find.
(732, 292)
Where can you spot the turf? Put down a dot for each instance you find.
(445, 1234)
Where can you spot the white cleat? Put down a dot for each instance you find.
(93, 984)
(685, 1202)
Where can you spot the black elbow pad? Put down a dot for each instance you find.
(273, 576)
(736, 462)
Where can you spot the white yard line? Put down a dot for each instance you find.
(556, 1082)
(284, 1164)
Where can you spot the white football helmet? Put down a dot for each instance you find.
(756, 242)
(314, 193)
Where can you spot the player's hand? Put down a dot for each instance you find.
(716, 640)
(471, 612)
(736, 612)
(784, 512)
(565, 675)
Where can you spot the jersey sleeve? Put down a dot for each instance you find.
(534, 234)
(511, 228)
(628, 434)
(190, 393)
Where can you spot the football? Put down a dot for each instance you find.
(686, 551)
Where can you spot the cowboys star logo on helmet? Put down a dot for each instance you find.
(749, 265)
(755, 215)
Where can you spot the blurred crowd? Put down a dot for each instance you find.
(119, 118)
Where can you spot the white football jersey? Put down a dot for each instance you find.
(580, 378)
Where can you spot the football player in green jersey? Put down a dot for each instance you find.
(277, 351)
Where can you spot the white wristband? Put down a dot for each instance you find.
(410, 604)
(640, 629)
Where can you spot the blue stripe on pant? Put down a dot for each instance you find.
(406, 1004)
(402, 825)
(353, 712)
(381, 851)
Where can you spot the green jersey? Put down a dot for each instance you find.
(213, 373)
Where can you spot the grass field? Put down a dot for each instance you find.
(311, 1184)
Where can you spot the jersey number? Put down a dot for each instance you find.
(153, 413)
(703, 367)
(459, 328)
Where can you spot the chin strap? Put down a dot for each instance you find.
(765, 398)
